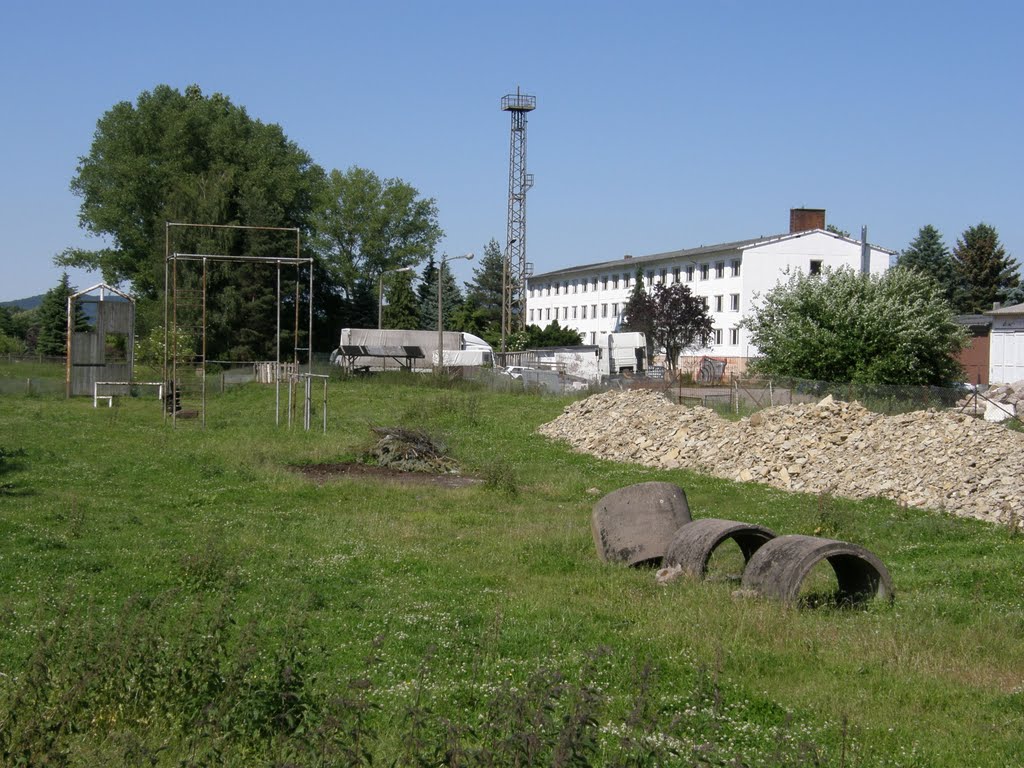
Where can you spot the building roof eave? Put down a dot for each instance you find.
(1013, 309)
(737, 246)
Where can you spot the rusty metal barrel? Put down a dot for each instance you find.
(778, 569)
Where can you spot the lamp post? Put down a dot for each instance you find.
(506, 300)
(440, 316)
(380, 292)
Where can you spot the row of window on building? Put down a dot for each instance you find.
(579, 312)
(663, 276)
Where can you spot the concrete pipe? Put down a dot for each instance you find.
(635, 524)
(779, 568)
(695, 542)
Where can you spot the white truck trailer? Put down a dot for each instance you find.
(622, 352)
(374, 349)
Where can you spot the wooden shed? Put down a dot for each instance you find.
(106, 351)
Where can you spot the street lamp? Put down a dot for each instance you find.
(380, 292)
(506, 299)
(440, 321)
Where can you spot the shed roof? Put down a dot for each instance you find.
(1013, 309)
(974, 321)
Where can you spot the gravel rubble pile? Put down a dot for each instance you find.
(939, 460)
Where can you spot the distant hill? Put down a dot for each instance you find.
(30, 303)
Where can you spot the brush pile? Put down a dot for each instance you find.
(411, 450)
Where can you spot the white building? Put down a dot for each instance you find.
(590, 298)
(1006, 350)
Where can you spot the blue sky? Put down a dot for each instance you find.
(659, 125)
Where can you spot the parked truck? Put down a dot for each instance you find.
(374, 349)
(623, 352)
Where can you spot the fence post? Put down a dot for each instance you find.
(28, 386)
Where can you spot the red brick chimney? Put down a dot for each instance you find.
(803, 219)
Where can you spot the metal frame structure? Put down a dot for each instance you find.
(307, 402)
(171, 306)
(515, 267)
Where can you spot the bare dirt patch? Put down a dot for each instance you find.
(324, 473)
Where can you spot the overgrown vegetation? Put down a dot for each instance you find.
(178, 597)
(895, 328)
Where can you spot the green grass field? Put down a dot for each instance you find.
(182, 597)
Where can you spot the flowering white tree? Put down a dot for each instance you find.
(842, 326)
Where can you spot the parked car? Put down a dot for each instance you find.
(514, 371)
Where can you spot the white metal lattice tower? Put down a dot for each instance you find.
(516, 268)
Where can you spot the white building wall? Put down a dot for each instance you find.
(1006, 351)
(574, 296)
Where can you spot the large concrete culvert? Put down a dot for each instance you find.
(635, 524)
(694, 543)
(778, 569)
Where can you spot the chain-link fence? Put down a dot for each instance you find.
(35, 375)
(742, 395)
(734, 395)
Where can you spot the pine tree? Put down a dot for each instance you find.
(928, 254)
(53, 319)
(426, 296)
(482, 311)
(985, 274)
(451, 298)
(6, 321)
(403, 307)
(485, 290)
(360, 310)
(1015, 295)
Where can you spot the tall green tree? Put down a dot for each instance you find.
(6, 321)
(10, 343)
(842, 326)
(928, 254)
(985, 273)
(680, 322)
(451, 300)
(26, 327)
(191, 158)
(481, 311)
(426, 293)
(359, 307)
(403, 307)
(371, 225)
(53, 319)
(640, 312)
(1015, 295)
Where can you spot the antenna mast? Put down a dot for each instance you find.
(515, 267)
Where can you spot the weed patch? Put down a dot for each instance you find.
(10, 461)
